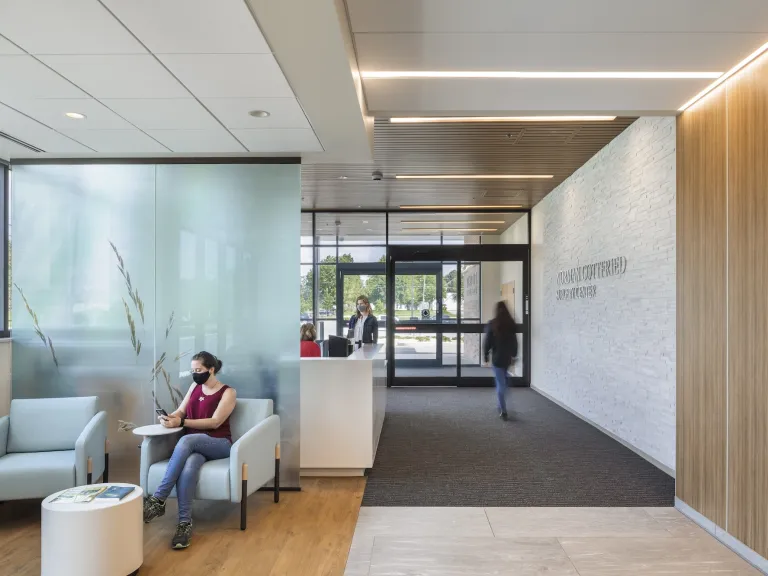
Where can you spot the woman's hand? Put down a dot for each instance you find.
(170, 421)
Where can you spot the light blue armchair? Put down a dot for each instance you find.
(253, 461)
(51, 444)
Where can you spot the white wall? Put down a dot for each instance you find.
(5, 376)
(611, 359)
(513, 271)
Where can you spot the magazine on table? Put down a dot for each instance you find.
(80, 495)
(116, 492)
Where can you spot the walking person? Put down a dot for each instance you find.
(501, 345)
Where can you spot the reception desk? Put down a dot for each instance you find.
(343, 402)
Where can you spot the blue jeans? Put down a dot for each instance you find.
(500, 374)
(189, 455)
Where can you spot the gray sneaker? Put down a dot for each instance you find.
(153, 508)
(183, 536)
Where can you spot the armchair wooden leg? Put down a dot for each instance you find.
(89, 476)
(244, 498)
(277, 473)
(105, 478)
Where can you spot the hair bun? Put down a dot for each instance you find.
(219, 364)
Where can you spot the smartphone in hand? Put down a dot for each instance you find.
(161, 412)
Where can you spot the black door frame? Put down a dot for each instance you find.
(460, 254)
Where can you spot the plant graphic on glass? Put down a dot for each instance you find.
(46, 340)
(175, 394)
(133, 294)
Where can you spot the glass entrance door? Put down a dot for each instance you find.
(443, 298)
(419, 302)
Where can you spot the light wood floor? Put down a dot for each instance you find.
(307, 534)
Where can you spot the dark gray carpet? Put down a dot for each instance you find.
(447, 447)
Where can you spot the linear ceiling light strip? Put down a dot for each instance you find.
(473, 176)
(459, 119)
(619, 75)
(724, 77)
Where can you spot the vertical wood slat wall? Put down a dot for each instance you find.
(748, 307)
(701, 307)
(722, 380)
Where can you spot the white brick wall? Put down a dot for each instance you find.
(612, 358)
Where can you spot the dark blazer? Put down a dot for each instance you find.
(370, 329)
(504, 348)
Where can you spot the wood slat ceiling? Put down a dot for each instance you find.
(555, 148)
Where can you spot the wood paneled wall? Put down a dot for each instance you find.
(722, 243)
(701, 307)
(748, 307)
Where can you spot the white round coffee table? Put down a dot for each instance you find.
(155, 430)
(104, 537)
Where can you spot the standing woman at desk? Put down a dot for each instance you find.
(363, 324)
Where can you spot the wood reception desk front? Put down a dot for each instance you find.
(343, 401)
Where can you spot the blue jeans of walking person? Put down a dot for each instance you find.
(192, 451)
(500, 374)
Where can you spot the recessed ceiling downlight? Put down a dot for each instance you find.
(258, 113)
(75, 115)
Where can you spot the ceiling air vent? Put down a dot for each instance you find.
(10, 138)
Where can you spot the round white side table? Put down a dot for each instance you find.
(155, 430)
(104, 537)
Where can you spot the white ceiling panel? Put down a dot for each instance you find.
(51, 112)
(28, 130)
(65, 27)
(163, 113)
(492, 16)
(192, 26)
(25, 77)
(713, 52)
(229, 75)
(117, 141)
(505, 97)
(233, 112)
(118, 76)
(198, 141)
(7, 47)
(268, 140)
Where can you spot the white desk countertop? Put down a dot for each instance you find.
(367, 352)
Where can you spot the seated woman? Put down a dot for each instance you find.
(204, 413)
(309, 348)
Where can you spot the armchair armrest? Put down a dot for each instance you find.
(257, 449)
(5, 423)
(154, 449)
(91, 444)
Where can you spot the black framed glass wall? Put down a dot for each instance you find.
(344, 256)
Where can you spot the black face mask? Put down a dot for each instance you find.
(201, 377)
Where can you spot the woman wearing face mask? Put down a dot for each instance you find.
(363, 324)
(204, 413)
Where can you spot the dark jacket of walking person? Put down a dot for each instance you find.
(501, 345)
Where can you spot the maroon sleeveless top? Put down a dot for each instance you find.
(201, 406)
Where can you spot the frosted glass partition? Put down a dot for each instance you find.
(122, 272)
